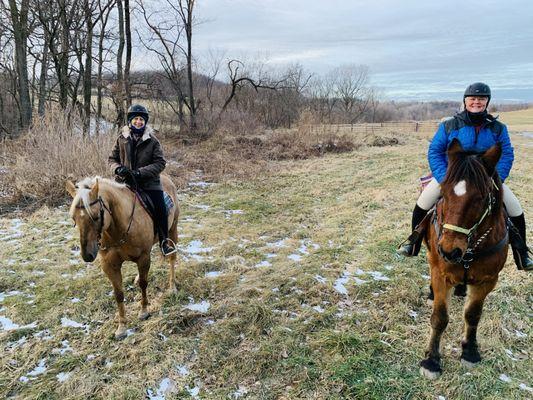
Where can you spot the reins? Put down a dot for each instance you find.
(103, 208)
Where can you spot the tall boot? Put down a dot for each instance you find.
(517, 238)
(411, 246)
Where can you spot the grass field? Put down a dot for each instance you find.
(289, 288)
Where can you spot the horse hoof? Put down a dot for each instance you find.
(431, 375)
(468, 364)
(120, 333)
(144, 315)
(430, 369)
(429, 302)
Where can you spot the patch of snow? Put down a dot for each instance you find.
(378, 276)
(339, 284)
(63, 376)
(523, 386)
(69, 323)
(264, 263)
(413, 314)
(505, 378)
(65, 349)
(520, 334)
(9, 325)
(166, 386)
(278, 244)
(359, 281)
(193, 392)
(200, 184)
(182, 370)
(43, 335)
(320, 279)
(388, 267)
(201, 206)
(318, 309)
(241, 391)
(294, 257)
(270, 255)
(38, 370)
(203, 306)
(75, 300)
(213, 274)
(510, 355)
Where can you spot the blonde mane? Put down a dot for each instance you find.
(84, 188)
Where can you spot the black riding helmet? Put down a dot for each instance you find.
(136, 110)
(478, 89)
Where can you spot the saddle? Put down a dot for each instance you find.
(146, 202)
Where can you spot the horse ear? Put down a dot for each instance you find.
(492, 156)
(71, 188)
(455, 147)
(93, 194)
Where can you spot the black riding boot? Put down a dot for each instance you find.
(411, 247)
(161, 218)
(517, 238)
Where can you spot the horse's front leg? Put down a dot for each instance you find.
(472, 314)
(430, 366)
(143, 264)
(113, 272)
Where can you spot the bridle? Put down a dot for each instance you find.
(102, 210)
(471, 253)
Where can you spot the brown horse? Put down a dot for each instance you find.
(114, 225)
(467, 244)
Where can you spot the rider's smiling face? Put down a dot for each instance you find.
(476, 104)
(138, 122)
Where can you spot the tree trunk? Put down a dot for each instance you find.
(87, 83)
(188, 30)
(119, 104)
(63, 56)
(19, 20)
(127, 87)
(42, 77)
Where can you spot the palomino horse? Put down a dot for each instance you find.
(467, 245)
(112, 224)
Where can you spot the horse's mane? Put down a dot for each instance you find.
(84, 188)
(469, 166)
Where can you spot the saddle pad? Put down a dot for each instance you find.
(424, 181)
(168, 202)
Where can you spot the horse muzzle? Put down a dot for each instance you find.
(453, 257)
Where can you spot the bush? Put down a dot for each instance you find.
(53, 150)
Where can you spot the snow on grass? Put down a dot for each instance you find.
(65, 349)
(8, 325)
(278, 244)
(320, 279)
(63, 376)
(195, 248)
(193, 392)
(166, 386)
(213, 274)
(263, 264)
(240, 392)
(340, 282)
(523, 386)
(38, 370)
(505, 378)
(182, 370)
(202, 307)
(203, 207)
(69, 323)
(295, 257)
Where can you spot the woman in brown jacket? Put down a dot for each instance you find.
(137, 160)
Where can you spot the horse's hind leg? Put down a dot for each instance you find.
(430, 366)
(143, 264)
(173, 234)
(472, 314)
(115, 276)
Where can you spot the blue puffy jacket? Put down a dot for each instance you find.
(491, 132)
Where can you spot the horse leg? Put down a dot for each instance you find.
(114, 274)
(143, 265)
(430, 366)
(173, 234)
(472, 314)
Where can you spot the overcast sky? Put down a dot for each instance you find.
(415, 49)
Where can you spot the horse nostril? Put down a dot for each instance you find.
(456, 253)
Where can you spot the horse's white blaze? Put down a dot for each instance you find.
(460, 188)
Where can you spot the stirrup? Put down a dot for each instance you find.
(172, 244)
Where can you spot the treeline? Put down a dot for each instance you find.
(78, 54)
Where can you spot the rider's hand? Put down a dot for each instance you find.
(122, 171)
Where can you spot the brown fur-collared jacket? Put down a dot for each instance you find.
(146, 157)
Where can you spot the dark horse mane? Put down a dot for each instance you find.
(470, 167)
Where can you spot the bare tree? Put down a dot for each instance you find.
(19, 21)
(352, 91)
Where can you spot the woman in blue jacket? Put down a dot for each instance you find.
(477, 131)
